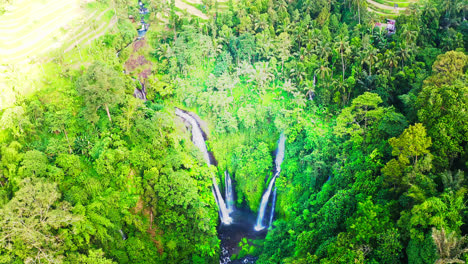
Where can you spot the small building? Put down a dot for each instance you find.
(391, 26)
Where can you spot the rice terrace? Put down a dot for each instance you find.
(33, 27)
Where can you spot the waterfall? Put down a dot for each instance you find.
(261, 212)
(272, 207)
(229, 192)
(199, 142)
(266, 196)
(124, 237)
(140, 93)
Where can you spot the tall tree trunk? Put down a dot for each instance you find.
(359, 12)
(108, 114)
(68, 141)
(342, 64)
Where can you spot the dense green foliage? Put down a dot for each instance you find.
(376, 127)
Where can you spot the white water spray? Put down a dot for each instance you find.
(229, 192)
(266, 196)
(272, 207)
(199, 142)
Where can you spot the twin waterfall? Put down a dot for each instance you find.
(199, 142)
(266, 196)
(226, 208)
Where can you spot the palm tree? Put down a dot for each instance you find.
(359, 4)
(373, 18)
(298, 99)
(314, 37)
(323, 71)
(261, 22)
(452, 180)
(265, 45)
(342, 46)
(164, 51)
(323, 49)
(370, 58)
(391, 60)
(289, 87)
(282, 7)
(449, 246)
(341, 86)
(261, 74)
(309, 88)
(408, 34)
(404, 54)
(283, 46)
(299, 70)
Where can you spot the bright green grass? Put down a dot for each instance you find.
(392, 3)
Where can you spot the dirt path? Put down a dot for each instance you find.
(190, 9)
(385, 6)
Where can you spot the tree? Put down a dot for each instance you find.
(283, 47)
(439, 212)
(10, 158)
(95, 257)
(453, 181)
(449, 246)
(391, 60)
(411, 144)
(413, 158)
(16, 120)
(34, 163)
(370, 57)
(101, 86)
(442, 107)
(356, 120)
(323, 50)
(343, 48)
(359, 4)
(58, 121)
(448, 68)
(31, 221)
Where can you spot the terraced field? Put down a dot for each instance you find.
(33, 27)
(388, 8)
(194, 8)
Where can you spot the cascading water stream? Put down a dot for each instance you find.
(199, 142)
(266, 196)
(261, 212)
(272, 208)
(229, 192)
